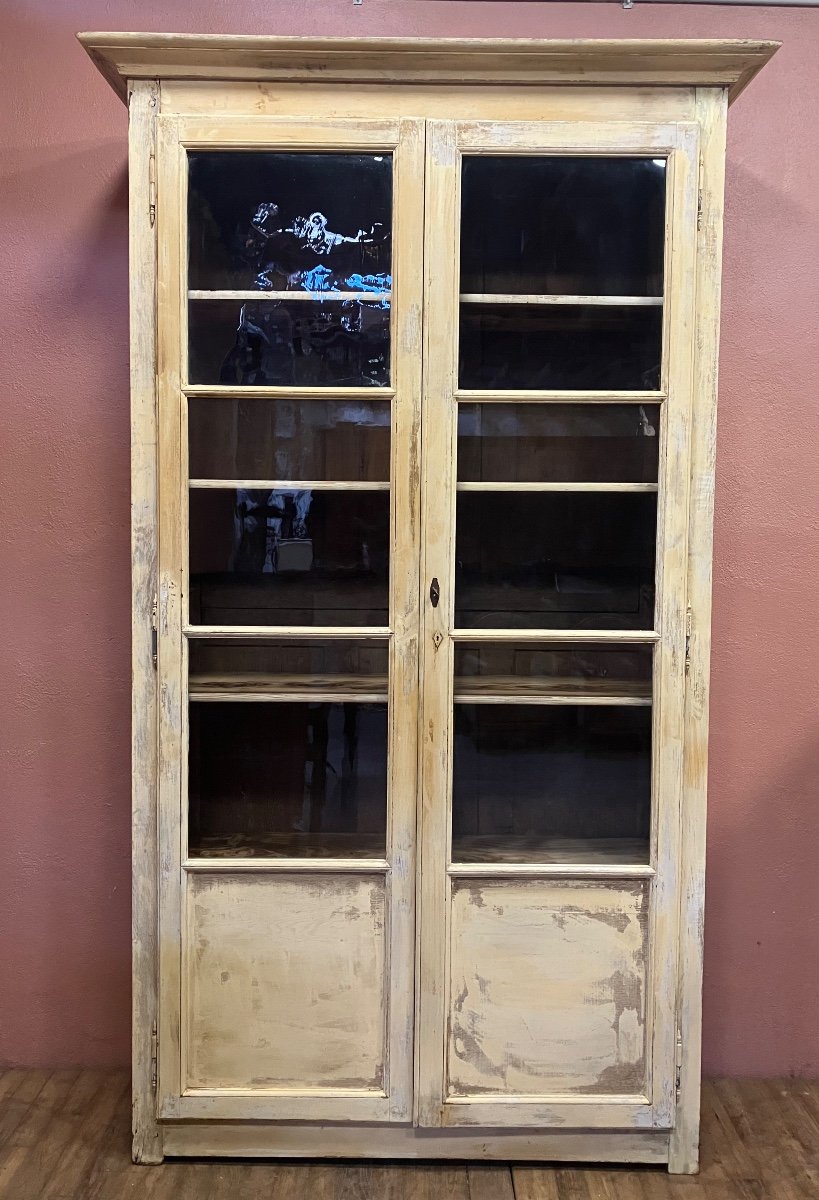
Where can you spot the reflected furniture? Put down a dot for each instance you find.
(424, 346)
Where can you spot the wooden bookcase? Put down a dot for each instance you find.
(424, 356)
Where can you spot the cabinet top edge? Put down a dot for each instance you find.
(726, 63)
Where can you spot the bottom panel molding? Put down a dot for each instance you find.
(247, 1140)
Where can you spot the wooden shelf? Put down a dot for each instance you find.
(282, 688)
(507, 689)
(296, 845)
(510, 849)
(477, 689)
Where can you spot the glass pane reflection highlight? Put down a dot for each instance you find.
(286, 221)
(277, 343)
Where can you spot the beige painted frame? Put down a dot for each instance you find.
(143, 68)
(446, 142)
(404, 139)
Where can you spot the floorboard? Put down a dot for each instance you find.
(64, 1135)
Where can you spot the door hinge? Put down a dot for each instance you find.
(699, 210)
(154, 1056)
(154, 634)
(678, 1062)
(688, 623)
(152, 188)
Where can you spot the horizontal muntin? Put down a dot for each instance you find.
(290, 866)
(552, 298)
(249, 294)
(277, 632)
(293, 485)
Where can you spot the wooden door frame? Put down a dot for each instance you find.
(176, 1098)
(446, 141)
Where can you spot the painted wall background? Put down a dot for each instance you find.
(64, 495)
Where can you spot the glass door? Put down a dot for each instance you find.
(556, 398)
(289, 394)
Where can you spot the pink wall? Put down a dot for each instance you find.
(64, 661)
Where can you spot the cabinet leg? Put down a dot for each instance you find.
(147, 1144)
(684, 1149)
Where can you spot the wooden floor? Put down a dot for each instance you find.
(65, 1136)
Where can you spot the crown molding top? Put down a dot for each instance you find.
(731, 64)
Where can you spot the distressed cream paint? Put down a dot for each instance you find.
(65, 812)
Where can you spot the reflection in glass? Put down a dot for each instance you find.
(566, 560)
(284, 779)
(566, 226)
(296, 557)
(528, 670)
(284, 221)
(554, 346)
(304, 343)
(520, 443)
(289, 439)
(281, 666)
(551, 783)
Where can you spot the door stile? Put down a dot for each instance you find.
(438, 523)
(171, 602)
(672, 593)
(405, 518)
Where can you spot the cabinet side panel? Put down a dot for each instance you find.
(143, 106)
(711, 109)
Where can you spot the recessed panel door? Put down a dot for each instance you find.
(290, 366)
(556, 398)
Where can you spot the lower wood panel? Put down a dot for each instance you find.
(285, 983)
(547, 991)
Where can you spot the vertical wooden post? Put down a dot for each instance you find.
(711, 113)
(143, 101)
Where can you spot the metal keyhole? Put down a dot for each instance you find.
(434, 593)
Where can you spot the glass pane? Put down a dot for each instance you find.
(565, 226)
(527, 670)
(304, 343)
(284, 666)
(302, 780)
(289, 439)
(289, 221)
(530, 443)
(551, 783)
(557, 346)
(566, 560)
(260, 557)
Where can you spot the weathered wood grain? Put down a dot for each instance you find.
(758, 1144)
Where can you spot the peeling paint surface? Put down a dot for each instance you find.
(286, 982)
(548, 997)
